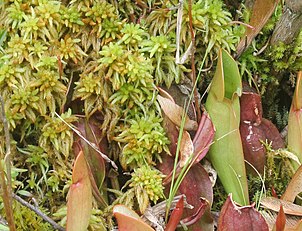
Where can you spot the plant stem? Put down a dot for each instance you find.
(197, 108)
(6, 183)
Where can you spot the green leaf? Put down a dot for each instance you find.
(226, 154)
(227, 81)
(79, 204)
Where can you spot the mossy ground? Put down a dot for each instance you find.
(103, 60)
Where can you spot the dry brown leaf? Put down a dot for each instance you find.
(262, 11)
(165, 94)
(294, 187)
(186, 148)
(175, 113)
(273, 203)
(292, 222)
(298, 227)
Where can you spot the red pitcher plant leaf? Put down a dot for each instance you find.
(96, 163)
(280, 221)
(202, 140)
(203, 210)
(79, 201)
(234, 217)
(199, 146)
(175, 215)
(128, 220)
(203, 137)
(254, 129)
(195, 185)
(91, 131)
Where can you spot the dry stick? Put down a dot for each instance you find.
(193, 62)
(38, 212)
(6, 183)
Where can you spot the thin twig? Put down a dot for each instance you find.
(6, 183)
(193, 62)
(178, 30)
(38, 212)
(190, 49)
(242, 23)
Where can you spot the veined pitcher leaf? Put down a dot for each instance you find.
(226, 153)
(199, 146)
(96, 164)
(294, 136)
(79, 204)
(234, 217)
(204, 137)
(197, 185)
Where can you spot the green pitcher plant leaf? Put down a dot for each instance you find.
(79, 203)
(226, 153)
(294, 136)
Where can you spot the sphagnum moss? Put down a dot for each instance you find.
(107, 56)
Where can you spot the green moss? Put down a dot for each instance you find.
(26, 219)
